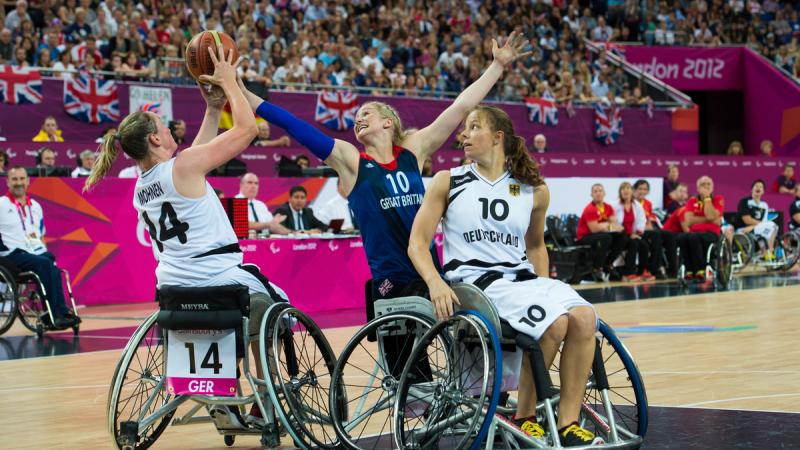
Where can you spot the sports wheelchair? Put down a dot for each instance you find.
(449, 390)
(23, 295)
(186, 353)
(749, 249)
(719, 262)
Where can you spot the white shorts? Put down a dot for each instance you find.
(766, 229)
(531, 306)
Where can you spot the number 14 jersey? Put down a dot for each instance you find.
(192, 239)
(485, 224)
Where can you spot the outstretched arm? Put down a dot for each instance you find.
(340, 155)
(427, 140)
(430, 213)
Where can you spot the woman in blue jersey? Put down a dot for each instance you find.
(493, 214)
(383, 182)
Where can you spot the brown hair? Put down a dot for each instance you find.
(622, 186)
(131, 137)
(518, 161)
(387, 112)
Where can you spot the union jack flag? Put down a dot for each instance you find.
(154, 108)
(542, 110)
(607, 124)
(91, 100)
(336, 110)
(20, 85)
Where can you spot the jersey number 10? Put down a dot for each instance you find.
(497, 208)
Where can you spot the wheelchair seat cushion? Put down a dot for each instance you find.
(192, 308)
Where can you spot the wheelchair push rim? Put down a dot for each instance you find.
(300, 366)
(30, 302)
(8, 299)
(453, 406)
(366, 381)
(139, 379)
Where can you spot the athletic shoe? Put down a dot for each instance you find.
(573, 436)
(689, 276)
(597, 275)
(631, 277)
(254, 417)
(227, 418)
(700, 276)
(530, 427)
(647, 276)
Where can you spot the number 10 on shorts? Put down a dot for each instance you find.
(201, 362)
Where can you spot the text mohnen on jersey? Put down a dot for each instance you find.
(399, 201)
(150, 192)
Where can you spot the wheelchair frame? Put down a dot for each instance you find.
(719, 264)
(480, 314)
(125, 433)
(744, 248)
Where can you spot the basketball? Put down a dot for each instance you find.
(198, 61)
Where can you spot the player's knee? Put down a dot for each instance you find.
(582, 321)
(259, 303)
(557, 331)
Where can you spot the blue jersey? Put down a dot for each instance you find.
(385, 200)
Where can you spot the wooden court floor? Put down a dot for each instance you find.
(732, 350)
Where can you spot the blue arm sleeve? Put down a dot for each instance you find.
(320, 144)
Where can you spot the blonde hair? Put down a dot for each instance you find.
(622, 186)
(131, 137)
(387, 112)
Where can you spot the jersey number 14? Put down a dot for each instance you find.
(177, 228)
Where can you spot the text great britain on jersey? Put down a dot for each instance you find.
(401, 200)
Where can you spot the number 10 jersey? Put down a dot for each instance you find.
(485, 224)
(192, 239)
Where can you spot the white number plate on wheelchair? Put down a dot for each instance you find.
(201, 362)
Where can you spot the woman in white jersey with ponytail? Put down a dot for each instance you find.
(192, 239)
(493, 213)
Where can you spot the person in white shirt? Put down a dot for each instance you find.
(130, 172)
(337, 208)
(21, 233)
(258, 216)
(87, 159)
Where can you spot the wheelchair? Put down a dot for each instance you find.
(23, 295)
(749, 249)
(719, 263)
(449, 391)
(186, 353)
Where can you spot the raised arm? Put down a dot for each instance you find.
(192, 165)
(341, 156)
(430, 213)
(215, 101)
(429, 139)
(535, 247)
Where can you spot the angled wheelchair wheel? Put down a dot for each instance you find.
(300, 363)
(366, 378)
(742, 249)
(8, 299)
(30, 305)
(790, 246)
(722, 264)
(449, 406)
(138, 402)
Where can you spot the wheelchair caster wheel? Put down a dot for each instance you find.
(229, 440)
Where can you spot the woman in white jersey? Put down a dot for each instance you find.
(493, 213)
(192, 239)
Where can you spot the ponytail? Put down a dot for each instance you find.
(520, 163)
(131, 138)
(108, 154)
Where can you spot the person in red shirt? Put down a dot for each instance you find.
(661, 242)
(633, 218)
(599, 229)
(703, 217)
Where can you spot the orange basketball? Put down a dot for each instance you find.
(198, 61)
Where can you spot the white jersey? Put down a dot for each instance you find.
(192, 239)
(485, 224)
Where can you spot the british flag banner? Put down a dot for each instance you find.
(19, 85)
(91, 100)
(542, 109)
(607, 124)
(336, 110)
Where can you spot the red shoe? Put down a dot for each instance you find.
(254, 417)
(631, 277)
(647, 276)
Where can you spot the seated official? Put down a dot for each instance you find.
(703, 217)
(259, 218)
(337, 208)
(752, 215)
(298, 217)
(21, 233)
(599, 229)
